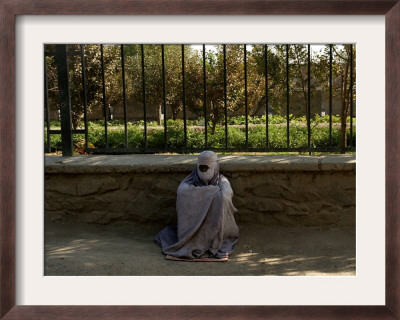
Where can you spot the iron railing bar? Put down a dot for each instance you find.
(245, 96)
(74, 131)
(185, 148)
(104, 94)
(266, 96)
(330, 94)
(205, 96)
(83, 65)
(184, 96)
(287, 96)
(351, 95)
(164, 95)
(225, 99)
(144, 97)
(309, 96)
(69, 53)
(46, 106)
(124, 94)
(64, 100)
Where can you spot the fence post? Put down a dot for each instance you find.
(64, 99)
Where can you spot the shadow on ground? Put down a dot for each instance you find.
(127, 249)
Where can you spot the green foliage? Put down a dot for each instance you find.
(258, 75)
(298, 136)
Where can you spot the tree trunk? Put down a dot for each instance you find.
(214, 126)
(345, 107)
(175, 112)
(343, 122)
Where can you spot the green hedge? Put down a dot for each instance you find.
(196, 139)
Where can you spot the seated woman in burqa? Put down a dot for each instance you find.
(206, 229)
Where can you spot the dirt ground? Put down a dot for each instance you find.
(127, 249)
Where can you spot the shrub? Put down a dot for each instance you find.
(277, 135)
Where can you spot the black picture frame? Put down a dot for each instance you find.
(10, 9)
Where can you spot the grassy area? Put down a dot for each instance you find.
(277, 134)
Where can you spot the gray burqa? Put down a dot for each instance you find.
(206, 224)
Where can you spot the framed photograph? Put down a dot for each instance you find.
(180, 297)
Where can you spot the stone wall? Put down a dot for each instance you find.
(284, 190)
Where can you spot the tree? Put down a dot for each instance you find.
(193, 72)
(94, 85)
(153, 75)
(214, 64)
(276, 72)
(133, 77)
(342, 87)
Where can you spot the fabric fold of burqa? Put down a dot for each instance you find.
(206, 224)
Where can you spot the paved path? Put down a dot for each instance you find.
(128, 249)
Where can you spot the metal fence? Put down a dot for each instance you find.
(62, 53)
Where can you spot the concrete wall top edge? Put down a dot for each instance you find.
(141, 163)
